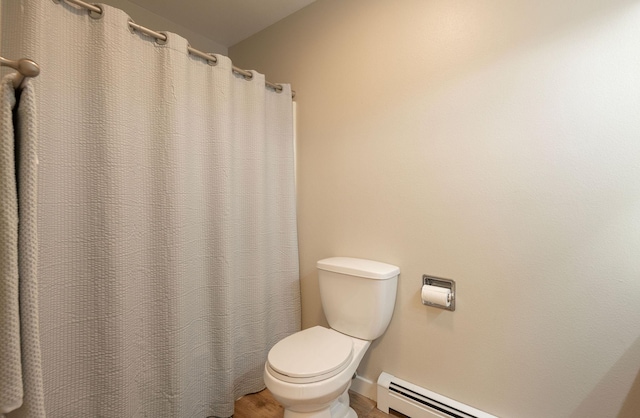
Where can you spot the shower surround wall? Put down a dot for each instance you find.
(494, 143)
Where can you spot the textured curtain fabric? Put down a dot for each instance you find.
(168, 261)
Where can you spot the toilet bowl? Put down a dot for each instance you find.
(313, 388)
(310, 372)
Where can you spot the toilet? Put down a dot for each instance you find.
(310, 372)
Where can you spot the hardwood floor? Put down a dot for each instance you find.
(262, 405)
(259, 404)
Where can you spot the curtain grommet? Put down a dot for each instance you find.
(96, 15)
(211, 59)
(213, 62)
(160, 41)
(131, 29)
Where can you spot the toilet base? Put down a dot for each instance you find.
(318, 399)
(338, 409)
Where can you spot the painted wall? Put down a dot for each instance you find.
(496, 143)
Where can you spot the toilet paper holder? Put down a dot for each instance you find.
(440, 282)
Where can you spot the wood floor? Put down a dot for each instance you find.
(262, 405)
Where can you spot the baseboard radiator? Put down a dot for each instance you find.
(418, 402)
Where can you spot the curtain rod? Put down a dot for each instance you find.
(25, 67)
(95, 11)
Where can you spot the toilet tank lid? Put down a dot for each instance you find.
(359, 267)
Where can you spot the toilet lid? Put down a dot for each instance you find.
(311, 355)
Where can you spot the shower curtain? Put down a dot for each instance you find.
(168, 259)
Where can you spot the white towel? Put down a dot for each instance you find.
(10, 359)
(20, 362)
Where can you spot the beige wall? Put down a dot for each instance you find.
(493, 142)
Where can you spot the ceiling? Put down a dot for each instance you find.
(226, 22)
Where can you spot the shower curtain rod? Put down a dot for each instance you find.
(95, 11)
(25, 67)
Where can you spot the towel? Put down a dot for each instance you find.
(21, 389)
(10, 359)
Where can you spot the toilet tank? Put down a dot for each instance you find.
(358, 296)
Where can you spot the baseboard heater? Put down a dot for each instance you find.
(418, 402)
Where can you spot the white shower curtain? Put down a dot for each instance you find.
(168, 259)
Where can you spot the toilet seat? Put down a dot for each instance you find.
(310, 355)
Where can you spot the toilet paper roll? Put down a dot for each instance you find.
(436, 295)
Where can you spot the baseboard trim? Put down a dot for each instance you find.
(365, 387)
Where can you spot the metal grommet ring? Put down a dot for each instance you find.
(131, 29)
(211, 59)
(94, 14)
(212, 62)
(160, 41)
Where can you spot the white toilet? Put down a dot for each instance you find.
(310, 371)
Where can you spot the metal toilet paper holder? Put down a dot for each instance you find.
(440, 282)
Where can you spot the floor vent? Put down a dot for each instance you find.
(417, 402)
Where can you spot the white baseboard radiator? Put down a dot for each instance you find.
(417, 402)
